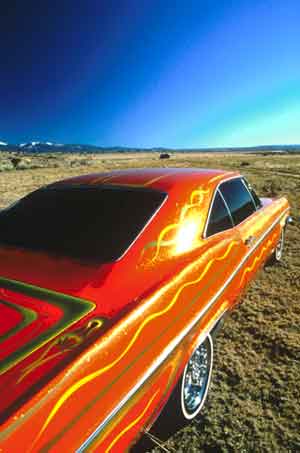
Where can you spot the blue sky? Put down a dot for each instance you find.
(182, 74)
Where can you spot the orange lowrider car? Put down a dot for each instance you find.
(111, 289)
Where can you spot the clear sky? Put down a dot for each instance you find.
(149, 73)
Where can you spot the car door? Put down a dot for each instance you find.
(251, 224)
(225, 243)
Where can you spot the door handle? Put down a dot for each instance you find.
(250, 241)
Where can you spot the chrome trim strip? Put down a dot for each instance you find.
(169, 349)
(212, 202)
(227, 207)
(209, 215)
(248, 190)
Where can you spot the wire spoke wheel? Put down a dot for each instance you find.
(196, 379)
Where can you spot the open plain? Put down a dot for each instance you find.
(254, 400)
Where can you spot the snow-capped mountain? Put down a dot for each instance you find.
(50, 147)
(47, 146)
(36, 144)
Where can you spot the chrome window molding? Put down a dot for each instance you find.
(210, 213)
(240, 177)
(211, 204)
(248, 190)
(227, 207)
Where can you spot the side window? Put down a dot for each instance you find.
(219, 219)
(256, 200)
(238, 199)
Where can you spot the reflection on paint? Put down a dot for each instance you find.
(187, 236)
(183, 236)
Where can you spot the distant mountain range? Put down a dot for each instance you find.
(49, 147)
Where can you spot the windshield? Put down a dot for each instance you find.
(85, 223)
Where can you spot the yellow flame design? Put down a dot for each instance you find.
(66, 342)
(43, 358)
(215, 178)
(104, 179)
(90, 377)
(185, 229)
(158, 178)
(132, 424)
(256, 259)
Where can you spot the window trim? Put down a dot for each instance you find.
(227, 207)
(241, 177)
(204, 234)
(245, 182)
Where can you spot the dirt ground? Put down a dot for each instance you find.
(254, 400)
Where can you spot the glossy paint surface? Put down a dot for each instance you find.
(93, 352)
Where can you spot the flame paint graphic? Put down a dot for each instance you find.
(171, 372)
(72, 310)
(66, 342)
(183, 218)
(90, 377)
(257, 258)
(158, 178)
(215, 178)
(104, 179)
(70, 340)
(133, 423)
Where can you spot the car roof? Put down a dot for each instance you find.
(163, 179)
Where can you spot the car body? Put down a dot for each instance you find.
(108, 285)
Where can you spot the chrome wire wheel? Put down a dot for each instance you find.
(196, 379)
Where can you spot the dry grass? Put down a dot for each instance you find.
(254, 402)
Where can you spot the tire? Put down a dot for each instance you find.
(276, 256)
(180, 409)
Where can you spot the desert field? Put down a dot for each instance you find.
(254, 399)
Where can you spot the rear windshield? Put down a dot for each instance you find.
(85, 223)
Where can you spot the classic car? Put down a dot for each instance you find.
(112, 287)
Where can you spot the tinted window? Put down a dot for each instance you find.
(254, 196)
(238, 199)
(89, 223)
(219, 219)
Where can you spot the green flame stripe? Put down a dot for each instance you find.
(28, 316)
(73, 308)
